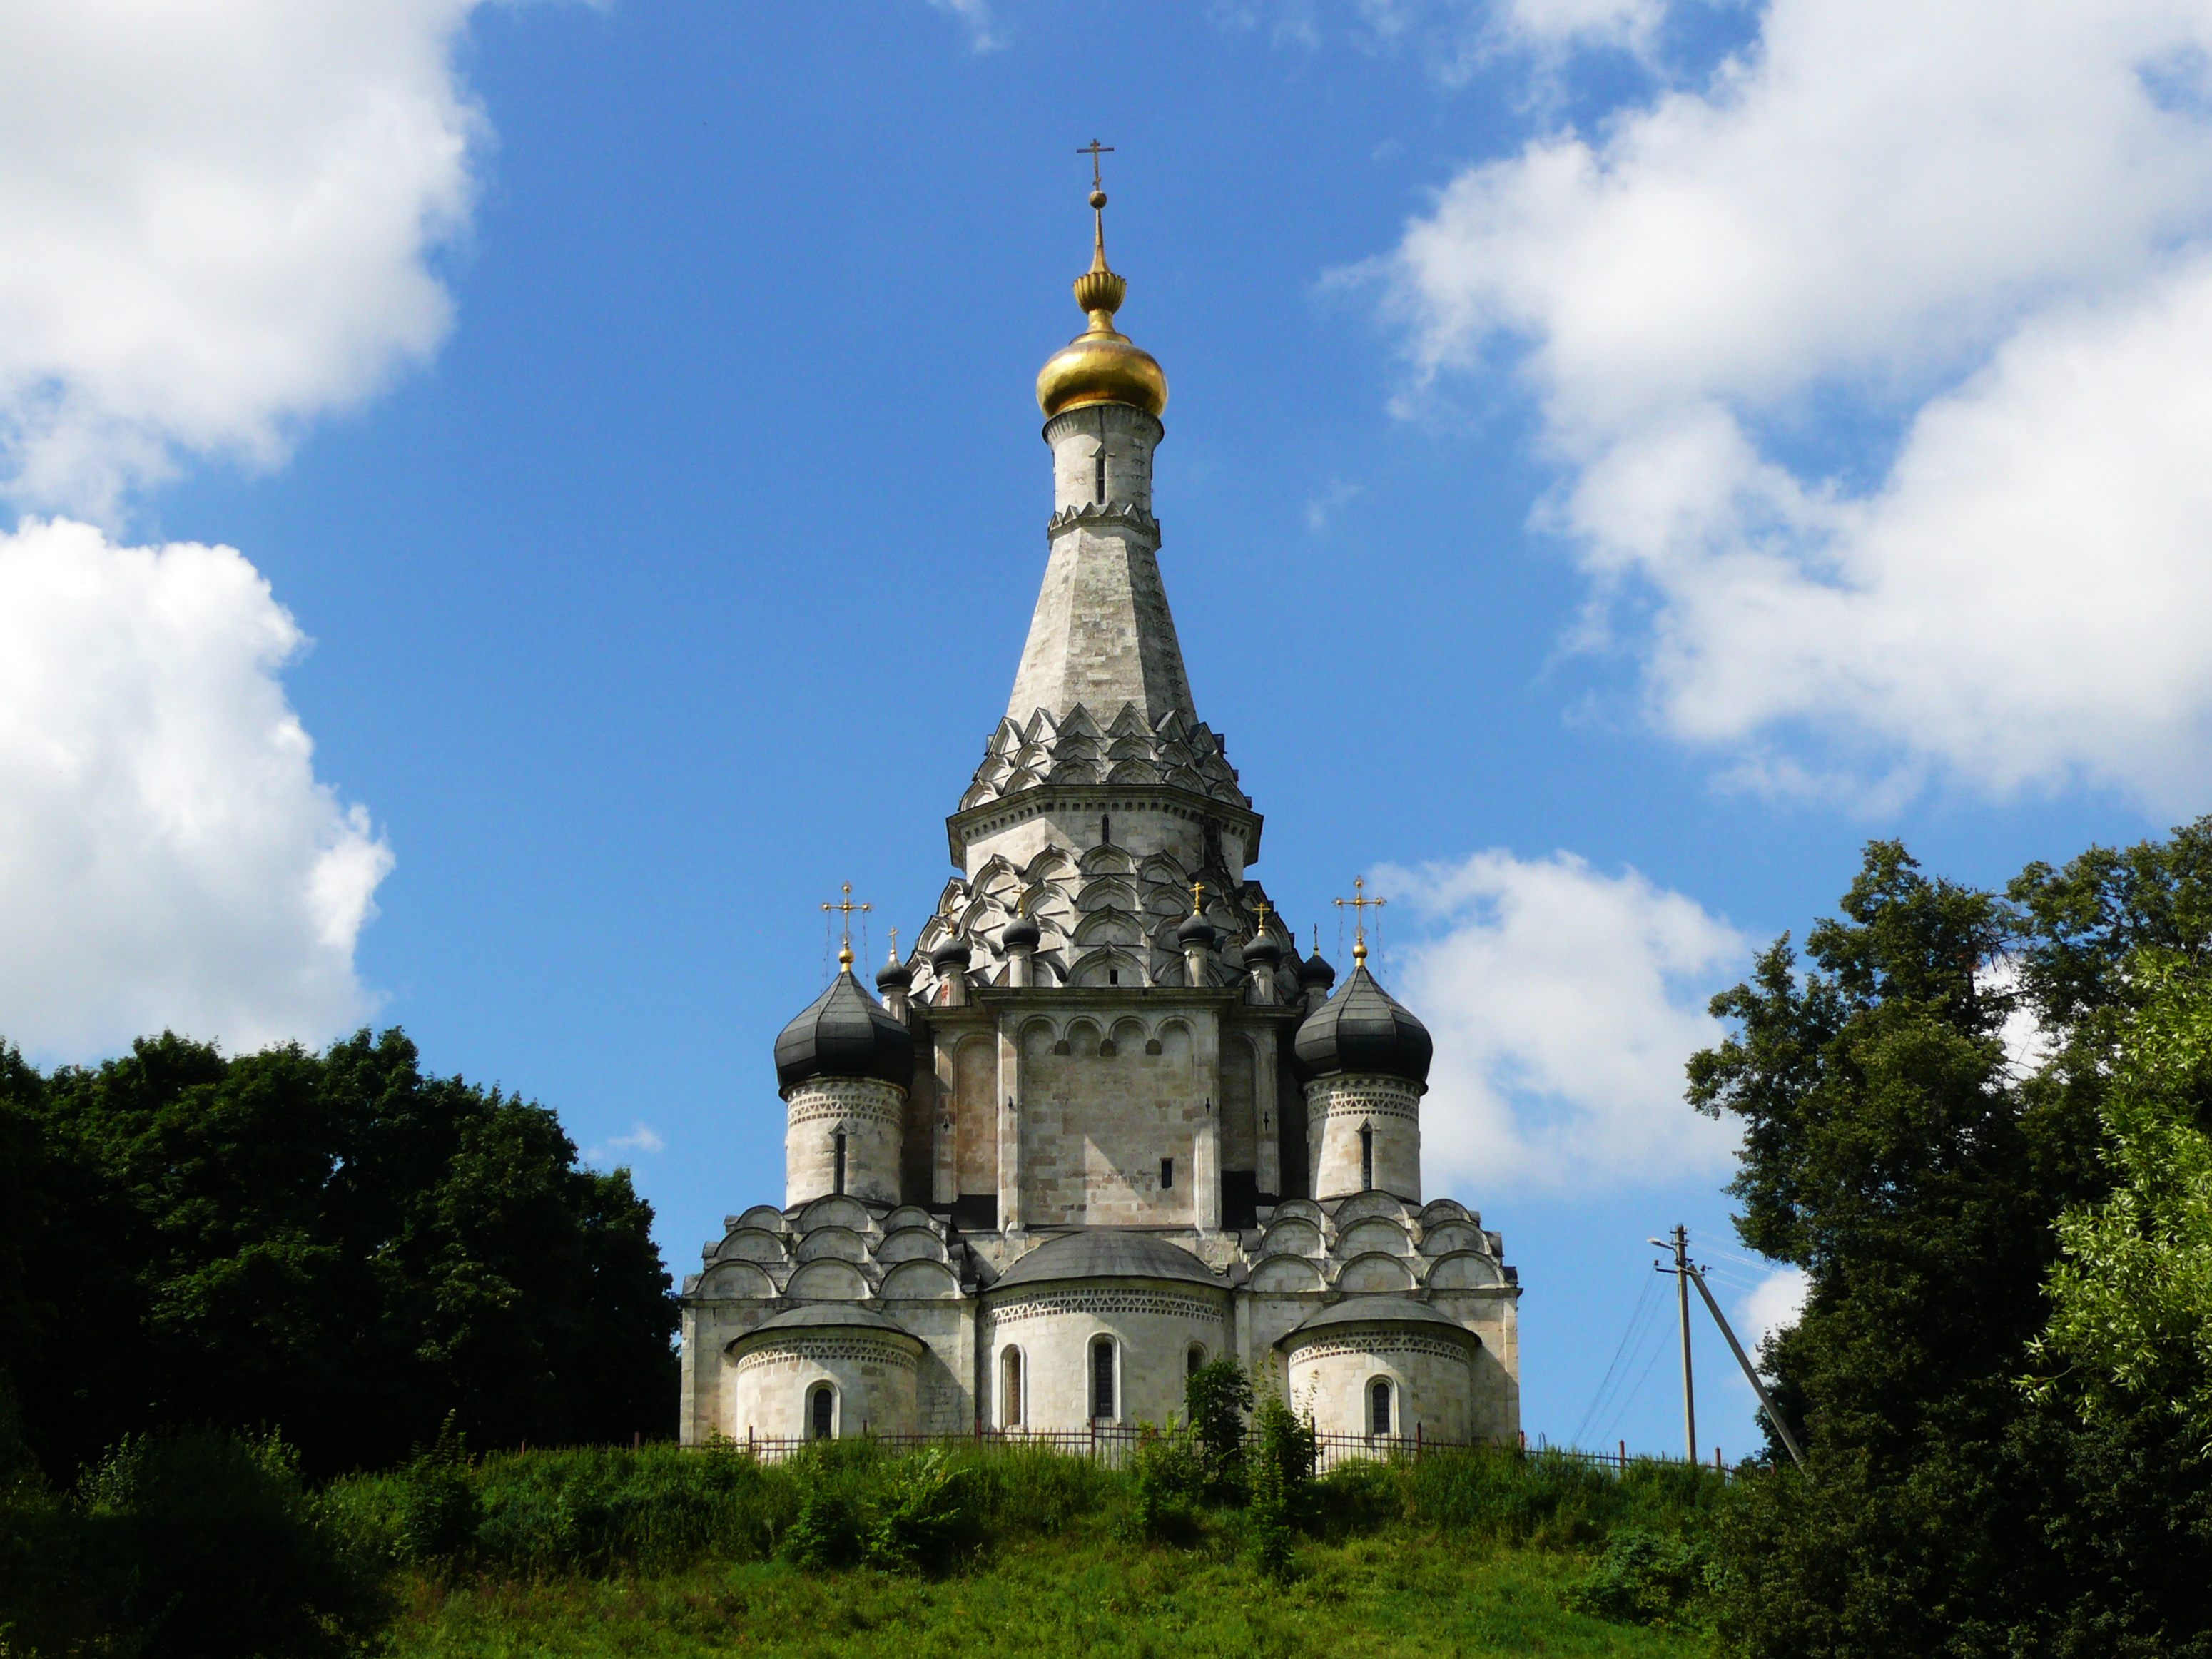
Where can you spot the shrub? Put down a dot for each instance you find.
(1216, 1398)
(1282, 1477)
(1168, 1474)
(196, 1543)
(918, 1523)
(1643, 1579)
(437, 1519)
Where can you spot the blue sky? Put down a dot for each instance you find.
(1622, 455)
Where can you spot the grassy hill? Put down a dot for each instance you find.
(664, 1553)
(1396, 1595)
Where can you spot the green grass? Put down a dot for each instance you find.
(1397, 1593)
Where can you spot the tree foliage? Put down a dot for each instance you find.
(1919, 1172)
(337, 1244)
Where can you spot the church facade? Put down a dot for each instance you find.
(1105, 1124)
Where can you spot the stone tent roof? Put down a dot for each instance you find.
(1108, 1253)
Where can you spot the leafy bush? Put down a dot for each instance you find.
(196, 1543)
(1282, 1477)
(438, 1501)
(1217, 1398)
(1170, 1473)
(918, 1524)
(1643, 1579)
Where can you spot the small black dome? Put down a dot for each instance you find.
(1261, 951)
(1196, 931)
(1314, 971)
(894, 973)
(1362, 1028)
(845, 1032)
(1021, 934)
(952, 952)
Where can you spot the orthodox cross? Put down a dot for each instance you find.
(845, 951)
(1094, 150)
(1261, 911)
(894, 933)
(1360, 904)
(1197, 898)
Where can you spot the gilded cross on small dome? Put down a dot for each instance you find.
(845, 950)
(1360, 904)
(1197, 898)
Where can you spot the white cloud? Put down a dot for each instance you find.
(1774, 1306)
(1564, 1003)
(1326, 503)
(641, 1139)
(214, 222)
(976, 15)
(1961, 248)
(167, 854)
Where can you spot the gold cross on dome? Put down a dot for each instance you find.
(1094, 150)
(894, 933)
(1360, 904)
(1261, 910)
(1197, 898)
(845, 951)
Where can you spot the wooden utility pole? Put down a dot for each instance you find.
(1679, 1241)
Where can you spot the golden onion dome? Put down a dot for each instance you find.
(1099, 366)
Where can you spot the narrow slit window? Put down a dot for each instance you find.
(837, 1152)
(1102, 1377)
(1378, 1395)
(1167, 1174)
(1113, 975)
(1098, 484)
(1366, 1159)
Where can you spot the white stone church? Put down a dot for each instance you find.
(1105, 1124)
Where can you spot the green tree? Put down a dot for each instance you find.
(340, 1245)
(1893, 1151)
(2131, 1296)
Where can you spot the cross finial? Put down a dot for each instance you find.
(893, 931)
(1360, 904)
(1260, 910)
(1197, 898)
(845, 950)
(1094, 150)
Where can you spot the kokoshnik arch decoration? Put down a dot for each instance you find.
(1103, 1123)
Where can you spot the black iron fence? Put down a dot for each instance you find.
(1113, 1444)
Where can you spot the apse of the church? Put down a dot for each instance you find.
(1106, 1123)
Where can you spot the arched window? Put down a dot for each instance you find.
(1378, 1406)
(821, 1412)
(1102, 1377)
(1366, 1160)
(838, 1146)
(1010, 1388)
(1194, 1359)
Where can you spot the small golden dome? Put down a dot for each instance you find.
(1099, 366)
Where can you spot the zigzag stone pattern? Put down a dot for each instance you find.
(1099, 912)
(1074, 749)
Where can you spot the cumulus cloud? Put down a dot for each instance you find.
(1877, 370)
(1774, 1306)
(976, 15)
(641, 1139)
(167, 857)
(215, 224)
(1564, 1003)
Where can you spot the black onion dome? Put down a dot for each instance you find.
(952, 952)
(1196, 931)
(1316, 971)
(1021, 934)
(1262, 951)
(894, 973)
(1363, 1028)
(845, 1032)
